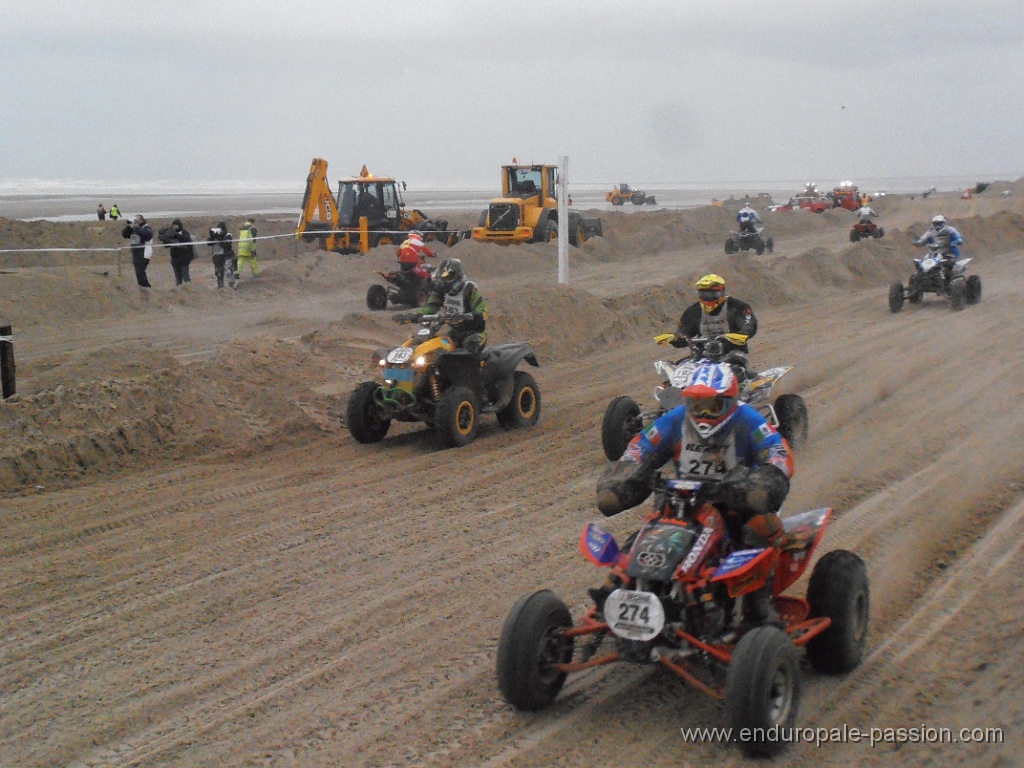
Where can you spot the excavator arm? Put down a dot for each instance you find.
(319, 208)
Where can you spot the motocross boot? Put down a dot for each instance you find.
(759, 609)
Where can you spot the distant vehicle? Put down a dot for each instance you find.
(624, 194)
(814, 204)
(847, 197)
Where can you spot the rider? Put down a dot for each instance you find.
(748, 219)
(865, 213)
(461, 303)
(411, 253)
(715, 314)
(948, 239)
(712, 436)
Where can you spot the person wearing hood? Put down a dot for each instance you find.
(179, 245)
(139, 235)
(223, 254)
(247, 248)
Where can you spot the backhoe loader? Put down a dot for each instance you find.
(367, 212)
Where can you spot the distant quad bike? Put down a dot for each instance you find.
(428, 380)
(679, 583)
(624, 419)
(745, 241)
(862, 230)
(929, 277)
(401, 290)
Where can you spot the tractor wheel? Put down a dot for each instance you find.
(376, 297)
(636, 199)
(523, 409)
(730, 246)
(958, 293)
(530, 645)
(762, 690)
(548, 231)
(973, 289)
(896, 297)
(621, 423)
(794, 424)
(839, 590)
(366, 420)
(457, 417)
(617, 200)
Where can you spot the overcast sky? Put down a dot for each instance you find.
(442, 92)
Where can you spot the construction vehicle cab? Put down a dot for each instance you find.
(527, 211)
(367, 212)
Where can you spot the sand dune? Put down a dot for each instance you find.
(201, 567)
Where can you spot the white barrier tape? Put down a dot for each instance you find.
(126, 247)
(7, 338)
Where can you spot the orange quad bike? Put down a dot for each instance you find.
(680, 584)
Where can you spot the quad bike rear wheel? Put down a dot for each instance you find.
(762, 690)
(523, 410)
(531, 643)
(376, 297)
(973, 289)
(759, 247)
(791, 411)
(878, 233)
(621, 423)
(839, 590)
(366, 420)
(958, 293)
(896, 297)
(457, 417)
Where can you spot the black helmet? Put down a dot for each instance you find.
(449, 276)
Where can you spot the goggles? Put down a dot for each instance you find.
(709, 407)
(710, 294)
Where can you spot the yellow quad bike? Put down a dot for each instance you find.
(623, 418)
(428, 379)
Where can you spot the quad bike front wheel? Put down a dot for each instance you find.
(762, 690)
(621, 423)
(523, 410)
(839, 590)
(854, 236)
(531, 643)
(794, 424)
(376, 297)
(896, 297)
(730, 246)
(770, 244)
(366, 420)
(457, 417)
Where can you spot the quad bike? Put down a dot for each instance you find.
(679, 580)
(862, 230)
(428, 379)
(930, 277)
(623, 418)
(410, 289)
(745, 241)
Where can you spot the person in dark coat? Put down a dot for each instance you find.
(139, 235)
(181, 249)
(223, 254)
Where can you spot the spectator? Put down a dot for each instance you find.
(181, 249)
(101, 212)
(139, 235)
(247, 248)
(115, 212)
(223, 254)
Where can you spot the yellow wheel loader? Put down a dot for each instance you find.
(527, 211)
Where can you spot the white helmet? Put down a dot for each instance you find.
(939, 221)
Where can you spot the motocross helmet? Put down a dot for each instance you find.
(710, 395)
(449, 277)
(711, 292)
(939, 223)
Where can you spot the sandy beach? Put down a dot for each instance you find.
(200, 566)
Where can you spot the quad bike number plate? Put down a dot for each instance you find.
(399, 355)
(634, 615)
